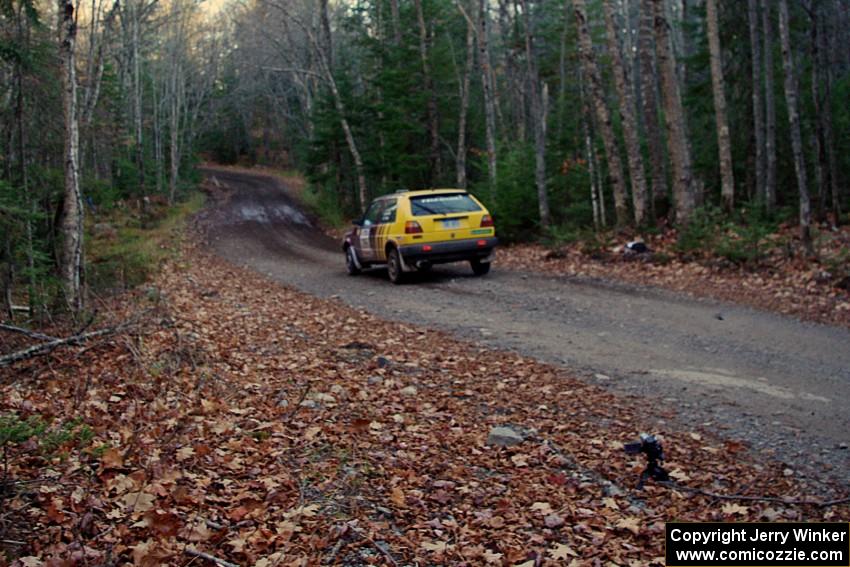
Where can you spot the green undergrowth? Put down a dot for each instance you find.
(127, 245)
(324, 203)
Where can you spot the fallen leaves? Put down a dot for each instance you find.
(377, 452)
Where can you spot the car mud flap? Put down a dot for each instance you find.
(490, 257)
(404, 266)
(354, 256)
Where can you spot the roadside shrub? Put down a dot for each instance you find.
(123, 252)
(742, 240)
(561, 235)
(516, 214)
(324, 203)
(743, 244)
(701, 232)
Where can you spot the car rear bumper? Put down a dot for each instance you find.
(453, 251)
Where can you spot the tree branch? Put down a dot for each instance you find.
(27, 332)
(45, 348)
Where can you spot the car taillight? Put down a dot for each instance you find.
(486, 220)
(427, 248)
(412, 227)
(482, 243)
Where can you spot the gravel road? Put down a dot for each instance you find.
(777, 383)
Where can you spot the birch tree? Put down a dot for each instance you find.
(72, 204)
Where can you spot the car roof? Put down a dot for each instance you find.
(421, 192)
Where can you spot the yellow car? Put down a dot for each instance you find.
(413, 230)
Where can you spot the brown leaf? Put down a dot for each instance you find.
(112, 459)
(397, 497)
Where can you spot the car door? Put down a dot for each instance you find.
(386, 219)
(368, 231)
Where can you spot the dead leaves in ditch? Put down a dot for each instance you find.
(245, 425)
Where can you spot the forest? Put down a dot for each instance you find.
(635, 115)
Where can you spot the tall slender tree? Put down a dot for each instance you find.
(539, 105)
(72, 209)
(769, 109)
(460, 161)
(603, 116)
(758, 93)
(718, 87)
(648, 85)
(489, 95)
(674, 116)
(791, 98)
(627, 112)
(433, 117)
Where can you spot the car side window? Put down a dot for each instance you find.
(388, 212)
(371, 216)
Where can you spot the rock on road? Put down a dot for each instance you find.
(780, 384)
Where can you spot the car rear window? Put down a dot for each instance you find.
(443, 204)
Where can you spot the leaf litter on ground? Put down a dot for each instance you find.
(243, 424)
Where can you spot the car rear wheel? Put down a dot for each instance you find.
(351, 262)
(394, 269)
(479, 268)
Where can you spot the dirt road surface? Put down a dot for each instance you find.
(779, 384)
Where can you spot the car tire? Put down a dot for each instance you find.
(479, 268)
(394, 269)
(351, 261)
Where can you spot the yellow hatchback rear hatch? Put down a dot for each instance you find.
(449, 215)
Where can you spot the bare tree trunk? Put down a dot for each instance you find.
(674, 117)
(460, 162)
(325, 38)
(603, 116)
(539, 111)
(816, 137)
(770, 110)
(591, 170)
(433, 118)
(562, 72)
(396, 20)
(653, 133)
(362, 190)
(758, 109)
(596, 199)
(157, 139)
(627, 112)
(724, 143)
(174, 131)
(515, 77)
(791, 97)
(489, 100)
(72, 214)
(826, 117)
(137, 93)
(822, 168)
